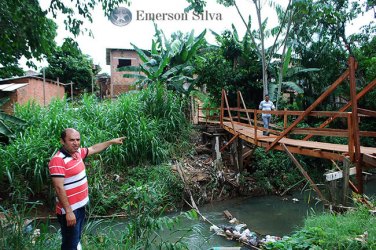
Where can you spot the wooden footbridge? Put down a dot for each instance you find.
(246, 124)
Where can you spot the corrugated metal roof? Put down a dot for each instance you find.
(12, 86)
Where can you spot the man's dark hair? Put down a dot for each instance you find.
(63, 134)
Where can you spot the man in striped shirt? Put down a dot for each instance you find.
(68, 175)
(266, 105)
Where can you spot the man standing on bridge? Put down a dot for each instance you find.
(267, 105)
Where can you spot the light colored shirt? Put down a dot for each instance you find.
(266, 105)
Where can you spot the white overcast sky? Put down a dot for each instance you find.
(140, 33)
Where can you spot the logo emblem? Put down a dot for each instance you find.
(121, 16)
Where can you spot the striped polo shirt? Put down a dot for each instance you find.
(72, 169)
(266, 105)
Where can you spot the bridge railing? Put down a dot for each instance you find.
(252, 119)
(351, 119)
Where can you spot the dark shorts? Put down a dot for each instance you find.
(71, 236)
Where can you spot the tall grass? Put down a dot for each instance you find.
(152, 120)
(333, 231)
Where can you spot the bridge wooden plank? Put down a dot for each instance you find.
(370, 159)
(313, 145)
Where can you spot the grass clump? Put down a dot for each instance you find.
(351, 230)
(153, 120)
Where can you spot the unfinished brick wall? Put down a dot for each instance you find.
(117, 78)
(33, 91)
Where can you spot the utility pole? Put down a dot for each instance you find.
(44, 87)
(71, 89)
(93, 67)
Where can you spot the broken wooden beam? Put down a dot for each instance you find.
(297, 164)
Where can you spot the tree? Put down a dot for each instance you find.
(320, 41)
(258, 36)
(168, 62)
(27, 32)
(299, 23)
(233, 65)
(69, 65)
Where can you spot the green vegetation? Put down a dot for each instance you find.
(27, 31)
(157, 131)
(308, 55)
(7, 122)
(152, 120)
(69, 64)
(351, 230)
(138, 231)
(272, 171)
(169, 62)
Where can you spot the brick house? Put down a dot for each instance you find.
(118, 58)
(26, 88)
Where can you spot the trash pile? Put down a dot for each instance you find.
(240, 232)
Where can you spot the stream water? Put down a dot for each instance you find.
(271, 215)
(267, 215)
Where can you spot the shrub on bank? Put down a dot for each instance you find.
(153, 121)
(351, 230)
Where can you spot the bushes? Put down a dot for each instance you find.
(274, 171)
(109, 196)
(333, 231)
(152, 120)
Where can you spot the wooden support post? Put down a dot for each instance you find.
(350, 137)
(248, 156)
(285, 119)
(255, 124)
(246, 112)
(346, 178)
(238, 101)
(297, 164)
(229, 142)
(333, 191)
(240, 154)
(355, 125)
(234, 154)
(71, 87)
(229, 111)
(352, 186)
(222, 110)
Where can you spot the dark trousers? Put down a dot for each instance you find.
(71, 236)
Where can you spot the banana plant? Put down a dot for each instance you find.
(168, 62)
(289, 73)
(7, 120)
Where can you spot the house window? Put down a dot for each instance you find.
(124, 62)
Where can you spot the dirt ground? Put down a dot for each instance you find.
(211, 180)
